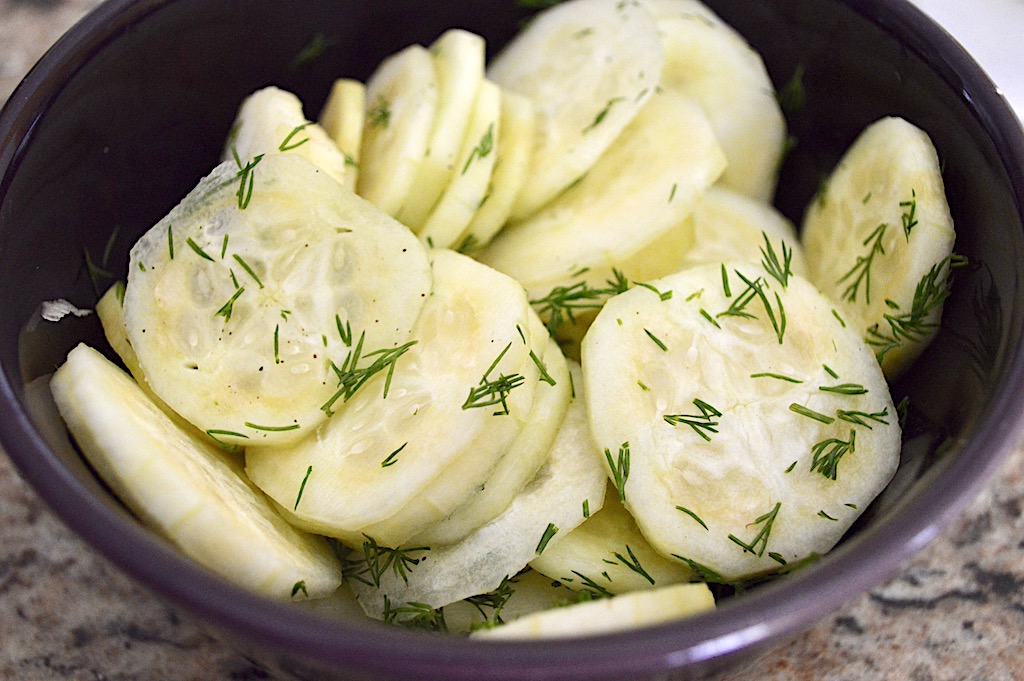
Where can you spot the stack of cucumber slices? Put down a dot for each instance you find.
(521, 348)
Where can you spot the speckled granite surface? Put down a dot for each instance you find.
(955, 612)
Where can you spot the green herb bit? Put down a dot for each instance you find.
(224, 246)
(828, 453)
(597, 591)
(914, 326)
(844, 389)
(300, 586)
(482, 149)
(312, 51)
(287, 144)
(853, 506)
(586, 508)
(633, 563)
(493, 600)
(379, 114)
(248, 269)
(694, 296)
(693, 515)
(391, 458)
(863, 418)
(780, 271)
(663, 295)
(344, 332)
(811, 414)
(791, 467)
(415, 615)
(195, 247)
(707, 315)
(759, 543)
(494, 391)
(781, 377)
(379, 559)
(643, 386)
(247, 175)
(829, 371)
(277, 344)
(657, 341)
(352, 377)
(672, 194)
(227, 308)
(302, 488)
(603, 113)
(702, 424)
(725, 282)
(738, 307)
(619, 468)
(702, 572)
(350, 160)
(170, 242)
(272, 429)
(861, 270)
(468, 244)
(792, 96)
(214, 432)
(549, 532)
(909, 216)
(842, 322)
(562, 303)
(826, 516)
(96, 272)
(544, 375)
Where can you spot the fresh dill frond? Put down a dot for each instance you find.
(702, 423)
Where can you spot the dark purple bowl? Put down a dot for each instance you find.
(130, 108)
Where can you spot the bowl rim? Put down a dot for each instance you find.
(760, 618)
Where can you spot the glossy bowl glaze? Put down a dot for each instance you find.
(120, 119)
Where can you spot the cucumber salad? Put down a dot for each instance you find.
(519, 348)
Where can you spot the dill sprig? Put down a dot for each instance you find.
(227, 308)
(863, 418)
(702, 423)
(633, 563)
(287, 144)
(392, 458)
(780, 271)
(861, 270)
(755, 290)
(811, 414)
(619, 468)
(693, 515)
(415, 615)
(562, 303)
(595, 589)
(379, 559)
(909, 216)
(495, 601)
(828, 453)
(544, 375)
(759, 543)
(550, 531)
(494, 391)
(482, 149)
(302, 488)
(603, 113)
(379, 114)
(916, 324)
(352, 377)
(247, 175)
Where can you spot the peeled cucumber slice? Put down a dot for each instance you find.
(605, 615)
(458, 58)
(270, 121)
(184, 487)
(738, 443)
(589, 66)
(552, 504)
(607, 554)
(879, 238)
(342, 118)
(712, 63)
(401, 105)
(237, 314)
(467, 189)
(658, 169)
(392, 463)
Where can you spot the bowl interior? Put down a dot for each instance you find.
(124, 116)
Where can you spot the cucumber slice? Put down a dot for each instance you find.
(606, 615)
(343, 117)
(738, 443)
(475, 163)
(524, 457)
(518, 124)
(270, 121)
(713, 64)
(458, 57)
(660, 166)
(389, 467)
(184, 487)
(607, 555)
(235, 314)
(608, 63)
(570, 478)
(879, 238)
(401, 101)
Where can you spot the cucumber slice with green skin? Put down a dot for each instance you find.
(518, 124)
(738, 443)
(658, 168)
(607, 66)
(478, 564)
(606, 615)
(342, 118)
(184, 487)
(467, 190)
(389, 467)
(401, 106)
(237, 315)
(607, 554)
(879, 238)
(458, 57)
(524, 457)
(270, 121)
(714, 65)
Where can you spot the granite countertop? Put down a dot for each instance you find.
(956, 611)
